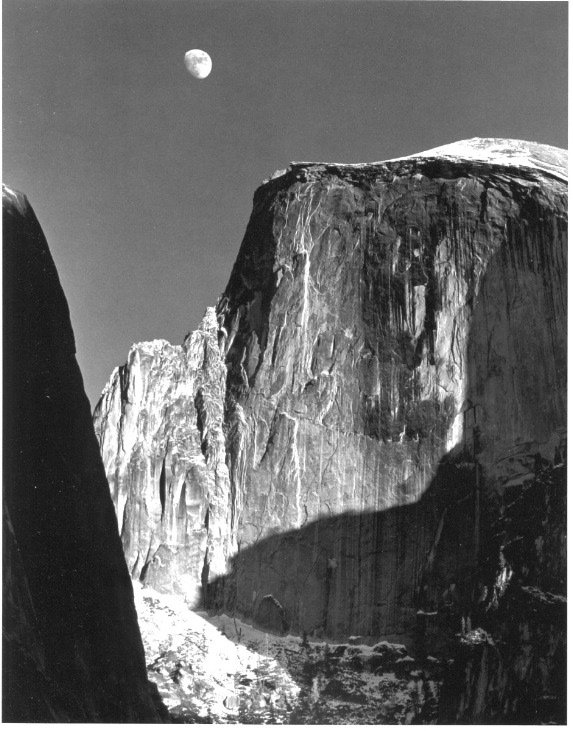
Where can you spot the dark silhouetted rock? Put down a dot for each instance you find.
(72, 649)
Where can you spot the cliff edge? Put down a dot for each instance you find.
(72, 651)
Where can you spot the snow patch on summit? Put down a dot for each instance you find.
(500, 151)
(490, 150)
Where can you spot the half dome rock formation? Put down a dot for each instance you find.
(72, 650)
(366, 436)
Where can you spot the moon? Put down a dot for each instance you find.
(198, 63)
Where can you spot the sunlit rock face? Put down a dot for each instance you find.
(72, 651)
(387, 361)
(160, 426)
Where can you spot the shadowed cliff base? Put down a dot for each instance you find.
(486, 598)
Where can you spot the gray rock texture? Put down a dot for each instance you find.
(72, 650)
(384, 376)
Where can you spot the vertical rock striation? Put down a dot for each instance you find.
(393, 342)
(160, 426)
(72, 649)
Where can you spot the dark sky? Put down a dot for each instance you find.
(142, 177)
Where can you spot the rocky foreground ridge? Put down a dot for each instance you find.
(366, 436)
(72, 650)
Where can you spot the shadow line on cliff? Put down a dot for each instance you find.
(359, 573)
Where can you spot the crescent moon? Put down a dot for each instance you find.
(198, 63)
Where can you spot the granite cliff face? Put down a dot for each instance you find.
(341, 448)
(160, 426)
(71, 644)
